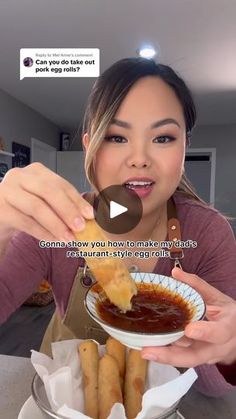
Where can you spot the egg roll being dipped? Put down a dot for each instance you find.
(110, 272)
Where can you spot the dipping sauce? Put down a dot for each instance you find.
(154, 310)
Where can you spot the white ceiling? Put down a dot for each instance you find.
(196, 37)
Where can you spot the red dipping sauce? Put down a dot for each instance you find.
(154, 310)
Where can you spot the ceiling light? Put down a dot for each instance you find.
(147, 52)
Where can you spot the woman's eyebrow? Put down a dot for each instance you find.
(156, 124)
(165, 121)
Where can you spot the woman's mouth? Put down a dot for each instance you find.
(141, 187)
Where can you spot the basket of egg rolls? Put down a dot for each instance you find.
(88, 380)
(116, 377)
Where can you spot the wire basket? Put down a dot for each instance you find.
(40, 397)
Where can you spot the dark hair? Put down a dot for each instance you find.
(119, 78)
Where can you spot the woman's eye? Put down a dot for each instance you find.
(164, 139)
(115, 139)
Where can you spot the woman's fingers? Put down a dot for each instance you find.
(209, 341)
(196, 354)
(57, 192)
(205, 342)
(47, 199)
(41, 213)
(21, 222)
(209, 294)
(217, 332)
(79, 201)
(185, 342)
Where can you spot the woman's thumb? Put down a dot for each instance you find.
(210, 294)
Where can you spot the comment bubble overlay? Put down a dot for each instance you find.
(59, 62)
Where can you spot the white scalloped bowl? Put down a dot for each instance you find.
(139, 340)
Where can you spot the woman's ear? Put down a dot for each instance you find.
(85, 141)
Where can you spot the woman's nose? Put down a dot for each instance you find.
(139, 158)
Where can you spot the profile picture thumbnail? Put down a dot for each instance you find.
(28, 62)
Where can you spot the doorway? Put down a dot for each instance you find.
(200, 167)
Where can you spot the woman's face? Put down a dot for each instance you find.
(144, 146)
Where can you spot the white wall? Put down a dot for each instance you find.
(18, 122)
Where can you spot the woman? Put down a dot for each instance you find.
(137, 125)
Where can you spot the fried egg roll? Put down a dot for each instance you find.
(109, 389)
(89, 358)
(118, 351)
(135, 377)
(111, 273)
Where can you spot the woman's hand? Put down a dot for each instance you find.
(205, 342)
(39, 202)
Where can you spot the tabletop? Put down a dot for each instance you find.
(16, 375)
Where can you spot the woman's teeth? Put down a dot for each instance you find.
(138, 184)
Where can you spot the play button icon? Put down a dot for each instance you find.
(117, 209)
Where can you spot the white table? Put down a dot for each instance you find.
(15, 384)
(16, 375)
